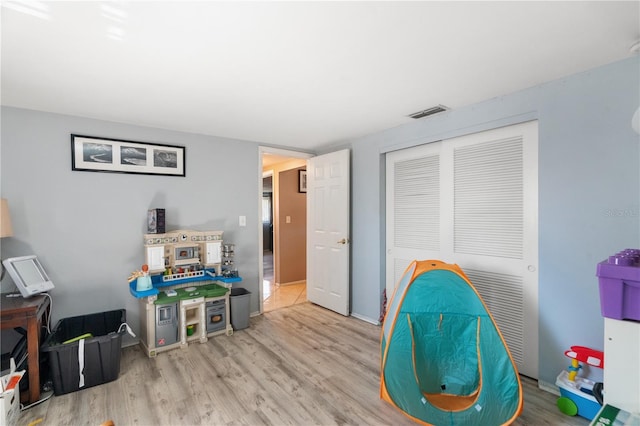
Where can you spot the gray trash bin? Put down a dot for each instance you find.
(239, 299)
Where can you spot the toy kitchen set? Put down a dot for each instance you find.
(184, 290)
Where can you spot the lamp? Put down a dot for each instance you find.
(6, 230)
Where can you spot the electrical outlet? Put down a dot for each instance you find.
(288, 219)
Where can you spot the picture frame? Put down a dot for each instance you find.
(97, 154)
(302, 181)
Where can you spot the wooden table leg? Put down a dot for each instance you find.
(33, 343)
(27, 312)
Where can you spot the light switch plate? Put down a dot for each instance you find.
(242, 221)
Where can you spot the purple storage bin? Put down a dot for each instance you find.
(619, 281)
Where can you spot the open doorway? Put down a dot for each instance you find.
(283, 229)
(268, 278)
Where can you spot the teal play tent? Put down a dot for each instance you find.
(444, 361)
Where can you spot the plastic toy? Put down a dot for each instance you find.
(583, 354)
(143, 280)
(579, 395)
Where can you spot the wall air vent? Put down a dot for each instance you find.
(429, 111)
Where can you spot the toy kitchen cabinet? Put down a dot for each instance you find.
(176, 251)
(189, 298)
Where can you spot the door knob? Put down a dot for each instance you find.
(343, 241)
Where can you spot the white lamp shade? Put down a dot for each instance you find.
(6, 230)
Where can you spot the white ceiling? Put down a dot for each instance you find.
(295, 74)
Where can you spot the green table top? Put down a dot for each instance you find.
(206, 291)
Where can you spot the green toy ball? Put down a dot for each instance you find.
(567, 406)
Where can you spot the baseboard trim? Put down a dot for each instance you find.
(366, 319)
(548, 387)
(292, 283)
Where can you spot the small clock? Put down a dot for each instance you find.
(183, 237)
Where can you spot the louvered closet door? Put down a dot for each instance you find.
(472, 200)
(413, 209)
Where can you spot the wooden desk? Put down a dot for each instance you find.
(27, 313)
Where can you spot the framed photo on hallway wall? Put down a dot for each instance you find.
(95, 154)
(302, 181)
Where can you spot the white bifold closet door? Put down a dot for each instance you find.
(473, 200)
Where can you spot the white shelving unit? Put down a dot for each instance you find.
(622, 364)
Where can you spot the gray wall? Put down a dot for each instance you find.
(87, 227)
(589, 187)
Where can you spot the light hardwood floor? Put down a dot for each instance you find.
(279, 296)
(301, 365)
(283, 296)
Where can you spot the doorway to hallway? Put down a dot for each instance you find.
(283, 234)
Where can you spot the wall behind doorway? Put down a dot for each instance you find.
(290, 238)
(291, 266)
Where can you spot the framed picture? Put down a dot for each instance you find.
(93, 154)
(302, 181)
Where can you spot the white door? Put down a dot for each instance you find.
(473, 201)
(328, 179)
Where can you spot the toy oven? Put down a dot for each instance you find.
(216, 312)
